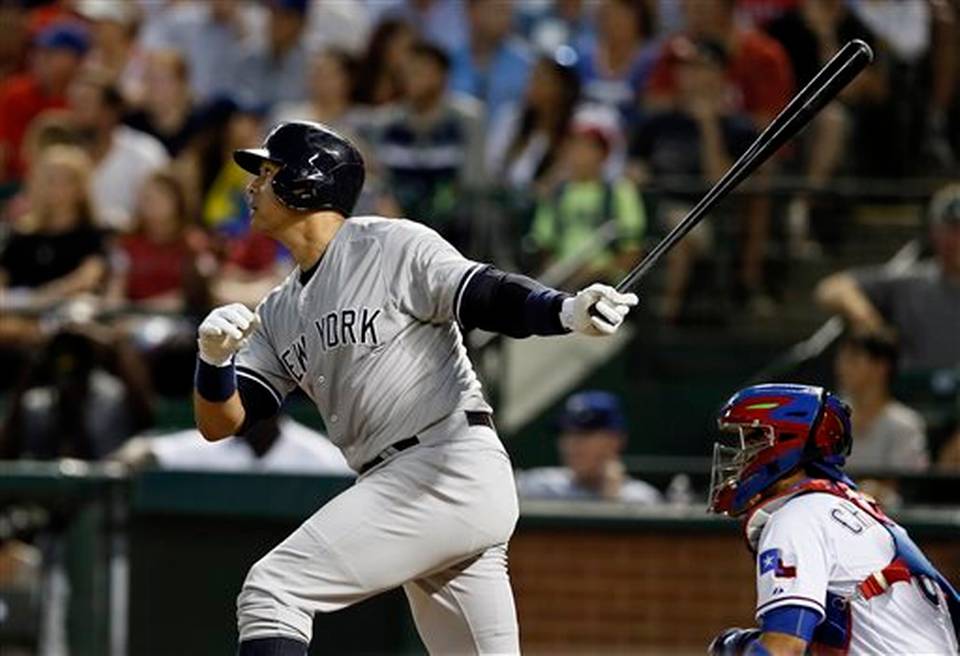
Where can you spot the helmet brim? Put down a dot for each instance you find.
(250, 159)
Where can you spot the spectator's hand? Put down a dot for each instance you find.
(822, 18)
(224, 332)
(613, 476)
(708, 93)
(609, 305)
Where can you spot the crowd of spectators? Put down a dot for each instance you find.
(527, 133)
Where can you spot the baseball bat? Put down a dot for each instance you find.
(836, 74)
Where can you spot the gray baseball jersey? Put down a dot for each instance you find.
(371, 337)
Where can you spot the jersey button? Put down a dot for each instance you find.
(334, 419)
(322, 379)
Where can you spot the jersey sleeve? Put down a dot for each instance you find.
(257, 362)
(429, 274)
(793, 561)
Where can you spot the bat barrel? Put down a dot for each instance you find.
(824, 87)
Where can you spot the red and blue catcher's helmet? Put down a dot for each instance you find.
(775, 429)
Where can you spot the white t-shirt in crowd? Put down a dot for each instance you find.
(559, 483)
(117, 178)
(818, 543)
(298, 449)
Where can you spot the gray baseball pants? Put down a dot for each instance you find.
(434, 519)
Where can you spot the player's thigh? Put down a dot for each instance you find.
(399, 524)
(467, 608)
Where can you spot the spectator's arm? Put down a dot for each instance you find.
(630, 216)
(713, 149)
(949, 456)
(842, 294)
(473, 169)
(543, 232)
(85, 278)
(128, 365)
(115, 293)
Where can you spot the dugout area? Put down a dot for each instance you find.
(155, 563)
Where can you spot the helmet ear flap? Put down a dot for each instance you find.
(836, 438)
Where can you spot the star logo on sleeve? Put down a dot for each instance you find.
(771, 561)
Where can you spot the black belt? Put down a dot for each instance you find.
(473, 419)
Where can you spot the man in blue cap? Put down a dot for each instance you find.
(593, 435)
(56, 56)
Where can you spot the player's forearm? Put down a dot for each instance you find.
(510, 304)
(782, 644)
(517, 306)
(218, 420)
(217, 406)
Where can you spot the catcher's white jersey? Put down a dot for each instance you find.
(816, 549)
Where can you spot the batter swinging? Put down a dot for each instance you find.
(369, 327)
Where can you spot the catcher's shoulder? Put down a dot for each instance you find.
(804, 511)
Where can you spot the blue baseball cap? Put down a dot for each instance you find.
(592, 410)
(65, 36)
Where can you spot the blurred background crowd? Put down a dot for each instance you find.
(559, 138)
(555, 138)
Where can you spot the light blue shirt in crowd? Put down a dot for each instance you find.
(503, 80)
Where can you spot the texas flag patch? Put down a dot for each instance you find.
(771, 561)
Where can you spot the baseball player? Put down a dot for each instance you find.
(834, 573)
(369, 327)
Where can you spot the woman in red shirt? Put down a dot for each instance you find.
(164, 263)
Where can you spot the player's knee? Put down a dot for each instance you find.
(260, 586)
(263, 607)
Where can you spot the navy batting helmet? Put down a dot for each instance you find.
(320, 170)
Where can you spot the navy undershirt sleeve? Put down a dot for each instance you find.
(258, 403)
(509, 304)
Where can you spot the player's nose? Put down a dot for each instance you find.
(252, 188)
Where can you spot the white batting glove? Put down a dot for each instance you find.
(611, 307)
(224, 332)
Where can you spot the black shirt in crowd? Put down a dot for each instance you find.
(34, 259)
(801, 44)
